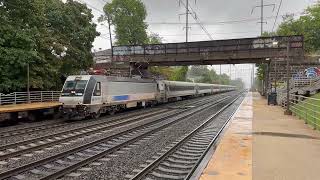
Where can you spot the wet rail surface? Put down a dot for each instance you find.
(182, 157)
(28, 129)
(98, 148)
(30, 145)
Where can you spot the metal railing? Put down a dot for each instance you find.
(307, 109)
(34, 96)
(303, 82)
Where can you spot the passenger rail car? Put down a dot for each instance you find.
(91, 95)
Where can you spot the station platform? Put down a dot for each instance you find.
(27, 107)
(264, 144)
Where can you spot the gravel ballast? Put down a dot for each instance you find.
(126, 161)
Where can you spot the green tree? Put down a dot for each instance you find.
(238, 83)
(267, 34)
(128, 18)
(154, 39)
(180, 74)
(162, 72)
(17, 42)
(53, 37)
(307, 25)
(202, 74)
(224, 79)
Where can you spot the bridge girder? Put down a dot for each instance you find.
(233, 51)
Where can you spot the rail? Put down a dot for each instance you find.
(32, 97)
(307, 109)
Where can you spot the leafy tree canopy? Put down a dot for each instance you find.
(55, 38)
(128, 18)
(307, 25)
(154, 39)
(180, 74)
(202, 74)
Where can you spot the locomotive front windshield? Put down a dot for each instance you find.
(74, 88)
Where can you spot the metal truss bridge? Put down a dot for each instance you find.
(231, 51)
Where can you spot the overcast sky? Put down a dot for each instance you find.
(223, 19)
(220, 18)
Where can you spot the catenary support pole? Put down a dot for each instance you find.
(187, 19)
(28, 81)
(262, 6)
(288, 112)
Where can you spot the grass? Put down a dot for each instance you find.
(309, 111)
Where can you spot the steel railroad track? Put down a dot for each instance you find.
(180, 160)
(29, 145)
(68, 161)
(47, 126)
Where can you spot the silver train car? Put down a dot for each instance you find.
(91, 95)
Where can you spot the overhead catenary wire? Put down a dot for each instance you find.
(196, 18)
(200, 23)
(199, 34)
(223, 22)
(275, 21)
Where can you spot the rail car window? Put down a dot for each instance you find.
(74, 88)
(97, 89)
(205, 87)
(181, 88)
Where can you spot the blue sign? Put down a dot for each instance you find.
(120, 98)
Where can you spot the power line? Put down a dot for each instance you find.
(187, 16)
(195, 17)
(274, 24)
(109, 26)
(223, 22)
(187, 19)
(262, 13)
(103, 1)
(244, 32)
(81, 1)
(200, 24)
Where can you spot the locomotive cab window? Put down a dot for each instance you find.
(97, 89)
(74, 88)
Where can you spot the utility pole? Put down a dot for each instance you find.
(262, 13)
(275, 76)
(262, 17)
(110, 36)
(187, 19)
(230, 71)
(28, 81)
(262, 5)
(186, 5)
(252, 78)
(288, 112)
(220, 78)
